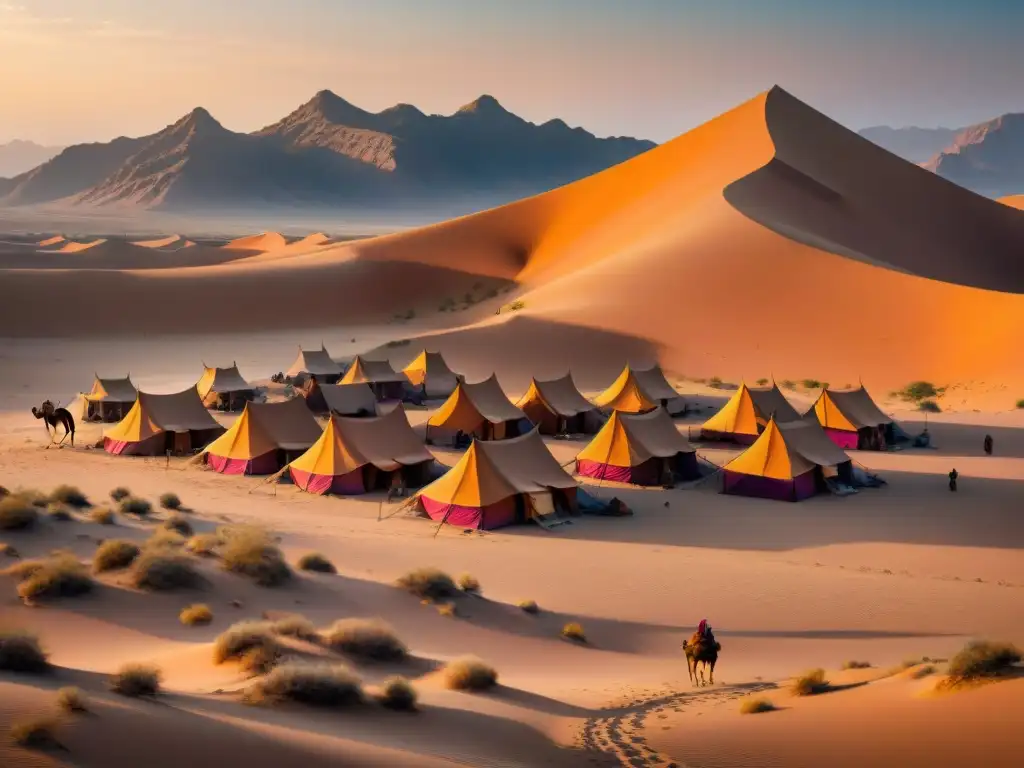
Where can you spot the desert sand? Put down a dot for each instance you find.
(765, 243)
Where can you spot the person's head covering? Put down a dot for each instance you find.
(703, 627)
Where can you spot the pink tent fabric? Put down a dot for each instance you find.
(484, 518)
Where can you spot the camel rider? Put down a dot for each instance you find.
(704, 632)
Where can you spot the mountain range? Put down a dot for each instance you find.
(918, 145)
(19, 156)
(326, 152)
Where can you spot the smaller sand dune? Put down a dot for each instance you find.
(55, 240)
(1014, 201)
(267, 241)
(317, 238)
(75, 247)
(160, 243)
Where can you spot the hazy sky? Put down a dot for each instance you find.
(76, 70)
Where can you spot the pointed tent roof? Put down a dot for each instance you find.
(630, 439)
(371, 372)
(627, 394)
(490, 472)
(429, 365)
(470, 405)
(348, 399)
(654, 383)
(560, 396)
(266, 427)
(315, 361)
(152, 414)
(221, 380)
(112, 390)
(749, 409)
(849, 410)
(786, 450)
(387, 442)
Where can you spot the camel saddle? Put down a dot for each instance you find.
(704, 643)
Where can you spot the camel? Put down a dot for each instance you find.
(699, 651)
(52, 416)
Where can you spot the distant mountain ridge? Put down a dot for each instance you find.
(917, 145)
(987, 158)
(326, 152)
(19, 156)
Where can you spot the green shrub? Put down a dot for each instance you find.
(137, 507)
(317, 563)
(170, 501)
(196, 615)
(161, 571)
(203, 544)
(428, 583)
(120, 493)
(35, 733)
(250, 552)
(114, 554)
(916, 391)
(398, 694)
(529, 606)
(574, 631)
(318, 685)
(812, 384)
(929, 406)
(295, 626)
(60, 575)
(20, 652)
(856, 665)
(136, 680)
(752, 705)
(983, 659)
(241, 638)
(788, 384)
(72, 700)
(103, 516)
(367, 639)
(1020, 403)
(470, 674)
(468, 583)
(810, 683)
(17, 513)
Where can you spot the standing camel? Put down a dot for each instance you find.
(700, 651)
(52, 416)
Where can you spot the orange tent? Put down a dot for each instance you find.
(747, 412)
(385, 381)
(263, 438)
(430, 373)
(638, 391)
(482, 410)
(639, 448)
(108, 400)
(159, 423)
(852, 420)
(557, 407)
(224, 387)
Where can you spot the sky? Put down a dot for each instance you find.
(90, 70)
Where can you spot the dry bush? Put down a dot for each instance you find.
(250, 552)
(923, 671)
(856, 664)
(134, 506)
(398, 694)
(70, 495)
(196, 615)
(468, 583)
(529, 606)
(120, 493)
(752, 705)
(17, 513)
(165, 539)
(318, 685)
(136, 680)
(242, 637)
(429, 583)
(447, 610)
(810, 683)
(103, 516)
(983, 660)
(367, 639)
(114, 554)
(60, 575)
(470, 674)
(317, 563)
(170, 501)
(295, 626)
(574, 631)
(72, 700)
(20, 652)
(203, 544)
(179, 525)
(161, 570)
(59, 513)
(36, 733)
(259, 660)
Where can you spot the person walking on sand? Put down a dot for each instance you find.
(953, 475)
(988, 445)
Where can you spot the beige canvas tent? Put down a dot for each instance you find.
(747, 412)
(556, 406)
(852, 420)
(639, 448)
(385, 381)
(342, 399)
(224, 388)
(156, 424)
(317, 362)
(480, 410)
(108, 400)
(639, 391)
(263, 439)
(430, 374)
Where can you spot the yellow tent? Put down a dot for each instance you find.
(852, 420)
(316, 362)
(747, 412)
(108, 400)
(385, 381)
(262, 438)
(224, 386)
(556, 406)
(482, 410)
(158, 423)
(430, 371)
(639, 391)
(638, 448)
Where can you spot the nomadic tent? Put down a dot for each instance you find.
(342, 399)
(641, 391)
(263, 439)
(224, 388)
(557, 407)
(354, 456)
(499, 483)
(317, 362)
(159, 423)
(479, 410)
(746, 413)
(789, 461)
(108, 400)
(385, 381)
(852, 420)
(430, 374)
(639, 448)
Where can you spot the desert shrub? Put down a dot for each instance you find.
(319, 685)
(923, 671)
(135, 506)
(513, 306)
(164, 539)
(195, 615)
(103, 516)
(856, 664)
(242, 637)
(203, 544)
(170, 501)
(429, 583)
(812, 384)
(752, 705)
(17, 513)
(179, 525)
(364, 638)
(259, 660)
(295, 626)
(70, 495)
(788, 384)
(810, 683)
(59, 575)
(120, 493)
(929, 406)
(574, 631)
(1020, 404)
(36, 733)
(114, 554)
(59, 513)
(468, 583)
(160, 570)
(317, 563)
(470, 674)
(529, 606)
(761, 382)
(916, 391)
(983, 659)
(136, 680)
(250, 552)
(398, 694)
(715, 382)
(20, 652)
(72, 700)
